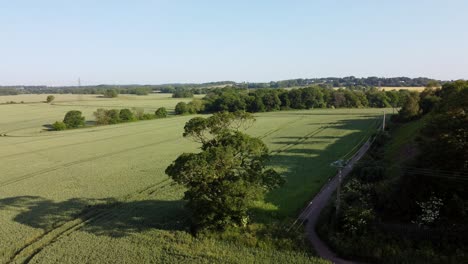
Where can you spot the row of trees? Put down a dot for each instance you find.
(74, 119)
(265, 100)
(115, 116)
(350, 81)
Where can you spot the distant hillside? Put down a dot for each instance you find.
(349, 82)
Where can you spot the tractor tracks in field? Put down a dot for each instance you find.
(97, 212)
(281, 127)
(302, 139)
(73, 163)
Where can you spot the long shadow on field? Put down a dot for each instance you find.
(305, 163)
(103, 216)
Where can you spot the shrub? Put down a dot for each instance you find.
(161, 112)
(196, 106)
(73, 119)
(181, 108)
(110, 93)
(101, 117)
(50, 98)
(182, 93)
(59, 125)
(138, 112)
(114, 116)
(147, 116)
(126, 115)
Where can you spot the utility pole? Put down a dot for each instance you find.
(338, 192)
(79, 82)
(383, 124)
(340, 164)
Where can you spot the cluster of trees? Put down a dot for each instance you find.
(74, 119)
(265, 100)
(110, 93)
(418, 104)
(422, 188)
(115, 116)
(443, 145)
(193, 107)
(227, 176)
(182, 93)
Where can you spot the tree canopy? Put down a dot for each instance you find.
(73, 119)
(227, 176)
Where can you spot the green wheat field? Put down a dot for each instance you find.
(100, 194)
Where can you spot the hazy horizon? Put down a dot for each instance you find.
(82, 83)
(54, 43)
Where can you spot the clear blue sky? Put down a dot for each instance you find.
(122, 42)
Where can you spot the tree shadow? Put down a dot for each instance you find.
(306, 165)
(48, 127)
(104, 217)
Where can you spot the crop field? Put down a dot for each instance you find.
(409, 88)
(31, 117)
(100, 194)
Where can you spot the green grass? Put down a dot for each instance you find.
(100, 194)
(29, 119)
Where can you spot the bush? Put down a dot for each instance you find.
(181, 108)
(182, 93)
(101, 117)
(114, 116)
(73, 119)
(161, 112)
(59, 125)
(126, 115)
(50, 98)
(147, 116)
(110, 93)
(138, 112)
(196, 106)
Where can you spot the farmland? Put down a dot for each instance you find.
(100, 194)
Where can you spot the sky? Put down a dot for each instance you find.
(152, 42)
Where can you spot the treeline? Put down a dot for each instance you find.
(350, 81)
(201, 88)
(74, 119)
(265, 100)
(121, 89)
(406, 200)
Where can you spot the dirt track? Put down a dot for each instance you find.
(312, 212)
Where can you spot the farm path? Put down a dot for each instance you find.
(312, 212)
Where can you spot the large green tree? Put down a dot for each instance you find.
(228, 175)
(73, 119)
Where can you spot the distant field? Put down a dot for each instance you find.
(52, 183)
(29, 118)
(417, 89)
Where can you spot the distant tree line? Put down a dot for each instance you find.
(266, 100)
(120, 89)
(348, 82)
